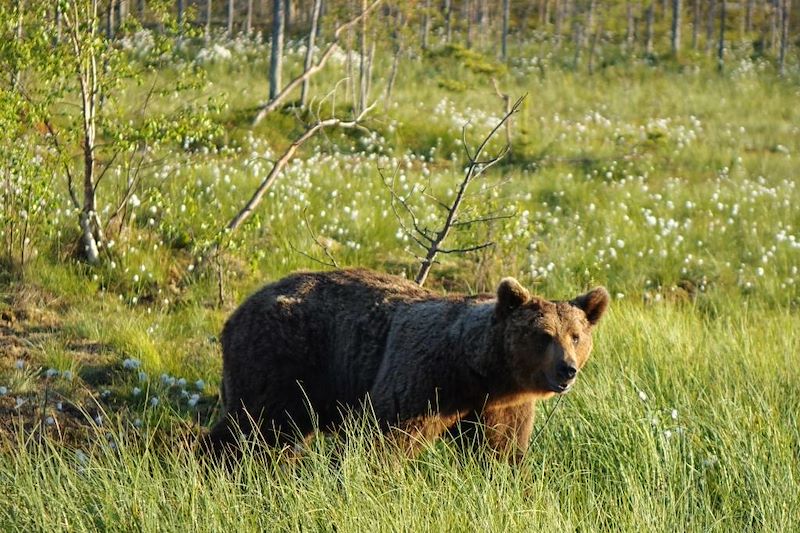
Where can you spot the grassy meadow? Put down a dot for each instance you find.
(672, 184)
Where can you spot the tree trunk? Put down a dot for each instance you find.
(249, 26)
(426, 23)
(110, 20)
(748, 16)
(785, 7)
(276, 53)
(630, 35)
(559, 22)
(695, 22)
(773, 25)
(15, 74)
(179, 14)
(208, 21)
(468, 16)
(231, 12)
(397, 47)
(676, 27)
(712, 7)
(363, 69)
(91, 236)
(506, 15)
(387, 99)
(482, 23)
(593, 47)
(721, 46)
(648, 46)
(578, 41)
(58, 23)
(312, 34)
(122, 11)
(448, 13)
(288, 13)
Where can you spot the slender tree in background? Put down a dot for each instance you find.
(630, 32)
(276, 53)
(448, 27)
(231, 13)
(721, 46)
(648, 31)
(712, 8)
(785, 6)
(20, 13)
(695, 22)
(58, 23)
(506, 15)
(676, 27)
(208, 21)
(179, 13)
(364, 62)
(559, 23)
(249, 20)
(397, 49)
(468, 5)
(288, 13)
(312, 34)
(748, 16)
(426, 24)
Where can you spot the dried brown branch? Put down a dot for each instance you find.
(287, 155)
(258, 195)
(465, 250)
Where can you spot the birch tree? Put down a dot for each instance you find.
(309, 61)
(504, 38)
(785, 6)
(276, 49)
(676, 27)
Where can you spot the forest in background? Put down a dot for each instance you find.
(160, 160)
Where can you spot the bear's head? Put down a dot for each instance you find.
(546, 343)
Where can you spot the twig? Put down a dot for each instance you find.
(325, 249)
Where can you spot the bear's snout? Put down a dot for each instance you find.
(566, 371)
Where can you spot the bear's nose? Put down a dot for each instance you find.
(567, 371)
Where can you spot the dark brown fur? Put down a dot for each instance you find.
(322, 343)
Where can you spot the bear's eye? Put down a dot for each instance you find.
(576, 338)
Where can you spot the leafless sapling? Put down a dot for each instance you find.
(432, 241)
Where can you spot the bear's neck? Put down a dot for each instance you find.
(486, 372)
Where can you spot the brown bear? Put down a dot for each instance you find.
(310, 347)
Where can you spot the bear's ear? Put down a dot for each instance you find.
(510, 295)
(594, 303)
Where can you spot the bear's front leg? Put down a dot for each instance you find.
(508, 429)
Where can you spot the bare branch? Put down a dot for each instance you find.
(483, 220)
(395, 199)
(309, 256)
(465, 250)
(308, 72)
(316, 240)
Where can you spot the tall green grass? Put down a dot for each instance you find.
(679, 422)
